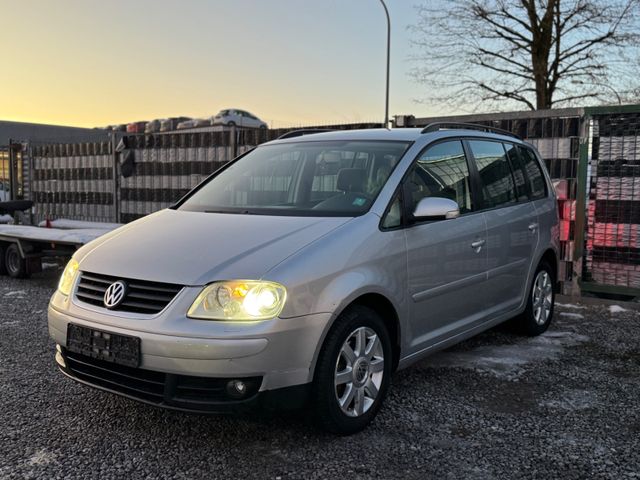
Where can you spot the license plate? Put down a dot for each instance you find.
(107, 346)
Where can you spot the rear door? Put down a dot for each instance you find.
(447, 259)
(512, 225)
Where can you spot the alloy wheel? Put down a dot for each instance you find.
(359, 371)
(542, 297)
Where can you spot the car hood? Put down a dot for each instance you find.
(195, 248)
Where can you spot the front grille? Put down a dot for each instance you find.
(141, 297)
(162, 389)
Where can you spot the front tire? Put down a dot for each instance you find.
(353, 372)
(538, 314)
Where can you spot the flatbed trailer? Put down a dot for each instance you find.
(22, 247)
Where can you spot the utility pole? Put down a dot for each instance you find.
(386, 104)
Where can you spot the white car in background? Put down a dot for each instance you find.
(234, 117)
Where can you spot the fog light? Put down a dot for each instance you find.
(236, 388)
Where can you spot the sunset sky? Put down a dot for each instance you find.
(291, 62)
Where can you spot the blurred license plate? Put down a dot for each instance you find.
(110, 347)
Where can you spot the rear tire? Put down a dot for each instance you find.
(14, 263)
(538, 314)
(231, 124)
(353, 372)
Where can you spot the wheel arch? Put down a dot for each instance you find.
(382, 305)
(550, 256)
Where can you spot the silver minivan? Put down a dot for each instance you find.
(306, 271)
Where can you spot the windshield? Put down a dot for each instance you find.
(305, 179)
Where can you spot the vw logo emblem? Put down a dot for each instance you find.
(114, 295)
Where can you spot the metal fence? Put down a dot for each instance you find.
(611, 255)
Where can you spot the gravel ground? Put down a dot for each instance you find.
(564, 405)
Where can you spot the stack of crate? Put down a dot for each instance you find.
(73, 181)
(167, 167)
(612, 251)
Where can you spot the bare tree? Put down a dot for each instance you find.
(538, 53)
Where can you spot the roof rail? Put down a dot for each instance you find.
(303, 131)
(434, 127)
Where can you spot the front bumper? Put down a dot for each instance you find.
(185, 393)
(281, 352)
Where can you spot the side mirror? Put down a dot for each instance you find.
(436, 208)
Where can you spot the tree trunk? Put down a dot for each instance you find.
(542, 32)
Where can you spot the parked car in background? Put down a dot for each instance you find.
(153, 126)
(311, 268)
(240, 118)
(186, 124)
(136, 127)
(194, 123)
(170, 124)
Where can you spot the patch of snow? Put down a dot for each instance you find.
(42, 457)
(66, 224)
(571, 315)
(573, 400)
(46, 265)
(617, 309)
(508, 361)
(77, 236)
(571, 306)
(16, 293)
(6, 218)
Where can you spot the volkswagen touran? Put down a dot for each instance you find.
(308, 270)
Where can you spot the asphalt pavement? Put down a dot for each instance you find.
(563, 405)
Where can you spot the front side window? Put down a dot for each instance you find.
(304, 178)
(441, 171)
(498, 187)
(537, 183)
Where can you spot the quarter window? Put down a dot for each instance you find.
(441, 171)
(537, 183)
(498, 187)
(393, 217)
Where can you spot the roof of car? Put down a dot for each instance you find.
(393, 134)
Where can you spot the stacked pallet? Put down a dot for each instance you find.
(73, 181)
(166, 171)
(612, 250)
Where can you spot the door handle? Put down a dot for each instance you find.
(533, 227)
(477, 245)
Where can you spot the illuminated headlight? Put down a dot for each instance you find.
(239, 300)
(68, 277)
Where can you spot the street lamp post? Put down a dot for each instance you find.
(386, 104)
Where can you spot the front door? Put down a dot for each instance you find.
(447, 259)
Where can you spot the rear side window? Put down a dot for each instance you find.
(518, 167)
(537, 184)
(498, 187)
(441, 171)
